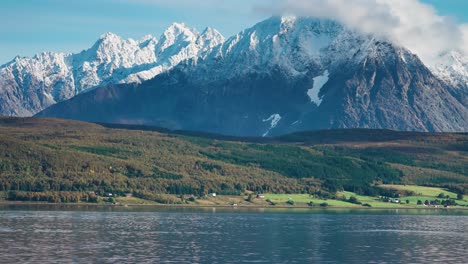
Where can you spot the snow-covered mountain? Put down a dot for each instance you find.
(29, 85)
(453, 69)
(286, 74)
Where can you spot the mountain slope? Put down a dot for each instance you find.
(29, 85)
(388, 88)
(453, 69)
(51, 155)
(284, 74)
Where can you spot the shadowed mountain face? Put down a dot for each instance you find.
(283, 75)
(393, 90)
(239, 107)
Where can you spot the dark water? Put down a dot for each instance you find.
(132, 235)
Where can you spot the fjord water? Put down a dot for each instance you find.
(155, 235)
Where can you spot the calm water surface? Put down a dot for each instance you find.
(154, 235)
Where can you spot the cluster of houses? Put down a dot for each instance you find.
(389, 200)
(258, 196)
(436, 203)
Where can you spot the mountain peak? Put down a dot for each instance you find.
(210, 38)
(179, 25)
(211, 32)
(452, 67)
(109, 36)
(177, 29)
(177, 33)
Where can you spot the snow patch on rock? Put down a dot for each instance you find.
(274, 120)
(319, 82)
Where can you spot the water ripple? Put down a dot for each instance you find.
(200, 237)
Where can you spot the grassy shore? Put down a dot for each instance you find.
(243, 206)
(291, 200)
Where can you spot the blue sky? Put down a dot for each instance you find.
(30, 26)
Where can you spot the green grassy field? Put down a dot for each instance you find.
(304, 199)
(421, 190)
(424, 193)
(133, 201)
(373, 201)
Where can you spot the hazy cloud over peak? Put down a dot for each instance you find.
(410, 23)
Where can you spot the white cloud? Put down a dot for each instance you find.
(410, 23)
(464, 29)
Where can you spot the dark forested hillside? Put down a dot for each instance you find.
(52, 156)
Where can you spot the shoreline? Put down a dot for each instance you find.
(187, 206)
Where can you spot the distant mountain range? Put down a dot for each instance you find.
(284, 74)
(29, 85)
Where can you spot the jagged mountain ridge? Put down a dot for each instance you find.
(282, 75)
(28, 85)
(453, 69)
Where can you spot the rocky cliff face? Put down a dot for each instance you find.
(284, 74)
(389, 88)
